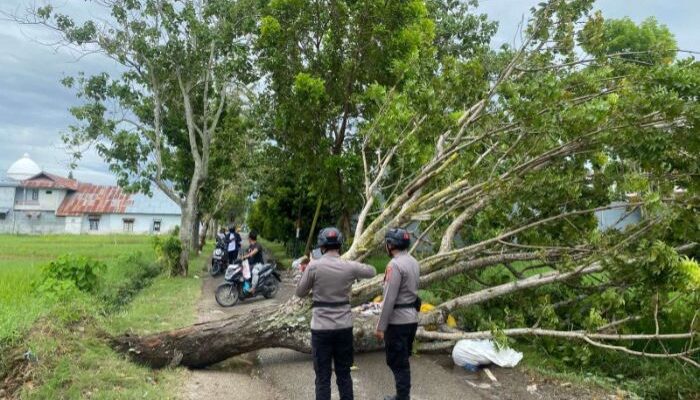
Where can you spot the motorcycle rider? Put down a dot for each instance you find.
(254, 255)
(331, 279)
(398, 321)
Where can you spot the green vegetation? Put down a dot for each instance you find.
(278, 253)
(21, 259)
(68, 325)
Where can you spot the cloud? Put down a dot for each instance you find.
(34, 105)
(679, 15)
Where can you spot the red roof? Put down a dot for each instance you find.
(94, 199)
(44, 180)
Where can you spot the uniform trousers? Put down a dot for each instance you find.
(398, 340)
(332, 348)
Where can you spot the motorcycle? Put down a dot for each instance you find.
(218, 258)
(236, 287)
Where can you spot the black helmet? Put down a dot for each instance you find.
(399, 238)
(330, 238)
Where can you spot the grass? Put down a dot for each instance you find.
(278, 253)
(22, 256)
(75, 360)
(88, 368)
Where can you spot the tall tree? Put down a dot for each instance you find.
(155, 122)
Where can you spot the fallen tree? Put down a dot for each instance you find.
(549, 139)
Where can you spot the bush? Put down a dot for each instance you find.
(168, 251)
(69, 273)
(139, 273)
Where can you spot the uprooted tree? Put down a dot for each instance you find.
(499, 162)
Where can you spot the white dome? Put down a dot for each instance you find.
(23, 168)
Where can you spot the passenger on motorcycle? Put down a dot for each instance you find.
(254, 254)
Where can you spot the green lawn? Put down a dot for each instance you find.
(22, 256)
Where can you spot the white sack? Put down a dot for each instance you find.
(246, 269)
(484, 352)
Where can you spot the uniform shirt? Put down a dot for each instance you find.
(331, 278)
(400, 287)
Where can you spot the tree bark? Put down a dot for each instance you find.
(204, 344)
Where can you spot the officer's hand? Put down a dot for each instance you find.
(379, 335)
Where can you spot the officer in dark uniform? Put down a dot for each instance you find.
(398, 321)
(331, 279)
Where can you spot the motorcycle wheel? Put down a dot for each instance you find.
(272, 291)
(215, 269)
(226, 295)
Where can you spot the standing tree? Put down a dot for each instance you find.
(156, 121)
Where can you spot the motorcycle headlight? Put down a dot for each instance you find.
(218, 252)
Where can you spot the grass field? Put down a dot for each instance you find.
(76, 361)
(22, 256)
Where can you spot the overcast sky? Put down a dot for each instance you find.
(34, 105)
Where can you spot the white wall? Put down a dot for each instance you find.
(47, 201)
(143, 223)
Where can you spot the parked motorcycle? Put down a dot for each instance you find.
(219, 258)
(235, 286)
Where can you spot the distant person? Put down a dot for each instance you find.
(398, 321)
(233, 245)
(254, 254)
(331, 279)
(237, 235)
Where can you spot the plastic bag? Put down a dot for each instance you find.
(484, 352)
(246, 269)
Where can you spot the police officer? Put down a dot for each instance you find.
(331, 278)
(398, 321)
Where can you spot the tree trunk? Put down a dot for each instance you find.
(187, 221)
(206, 227)
(309, 240)
(204, 344)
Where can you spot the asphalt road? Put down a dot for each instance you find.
(281, 374)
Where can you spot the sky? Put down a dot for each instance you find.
(34, 105)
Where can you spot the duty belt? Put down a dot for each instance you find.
(405, 305)
(330, 303)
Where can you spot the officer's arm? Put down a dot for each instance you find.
(364, 271)
(391, 291)
(305, 283)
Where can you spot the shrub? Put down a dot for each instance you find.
(168, 251)
(69, 273)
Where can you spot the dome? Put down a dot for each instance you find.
(23, 168)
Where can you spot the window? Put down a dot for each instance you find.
(49, 192)
(156, 225)
(35, 194)
(3, 215)
(94, 223)
(128, 224)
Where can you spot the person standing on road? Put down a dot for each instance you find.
(255, 258)
(331, 279)
(398, 321)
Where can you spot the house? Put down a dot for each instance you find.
(33, 201)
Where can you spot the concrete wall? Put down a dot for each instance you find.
(49, 199)
(143, 223)
(617, 218)
(32, 222)
(7, 196)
